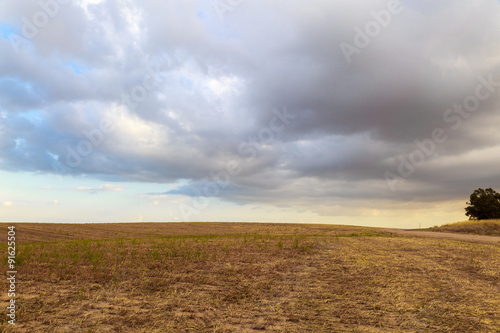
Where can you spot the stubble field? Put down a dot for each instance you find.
(248, 277)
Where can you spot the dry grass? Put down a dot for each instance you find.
(47, 232)
(250, 278)
(488, 227)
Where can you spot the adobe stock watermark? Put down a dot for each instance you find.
(39, 20)
(151, 81)
(11, 272)
(372, 29)
(223, 6)
(454, 116)
(249, 149)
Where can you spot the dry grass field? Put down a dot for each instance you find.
(488, 227)
(242, 277)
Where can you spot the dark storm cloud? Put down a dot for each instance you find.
(215, 83)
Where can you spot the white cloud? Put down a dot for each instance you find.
(100, 188)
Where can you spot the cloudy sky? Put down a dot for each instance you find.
(365, 112)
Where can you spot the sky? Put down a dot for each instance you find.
(363, 112)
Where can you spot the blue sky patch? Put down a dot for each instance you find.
(35, 117)
(79, 69)
(6, 30)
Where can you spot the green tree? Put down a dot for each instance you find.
(483, 205)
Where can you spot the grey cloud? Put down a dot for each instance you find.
(222, 79)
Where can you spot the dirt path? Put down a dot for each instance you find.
(447, 235)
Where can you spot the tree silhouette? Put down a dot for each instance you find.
(483, 205)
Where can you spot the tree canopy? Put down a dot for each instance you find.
(484, 204)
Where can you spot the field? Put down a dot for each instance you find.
(242, 277)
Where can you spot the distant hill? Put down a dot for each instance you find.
(485, 227)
